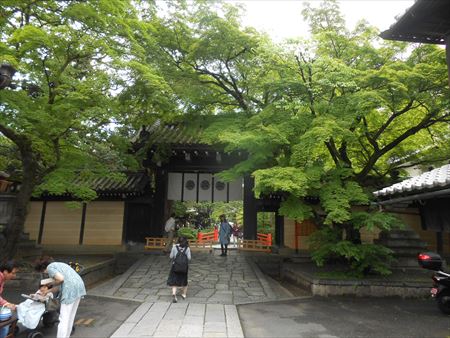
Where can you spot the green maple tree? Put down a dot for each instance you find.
(73, 58)
(330, 118)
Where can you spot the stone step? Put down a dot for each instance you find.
(25, 281)
(405, 262)
(300, 259)
(399, 234)
(405, 244)
(28, 248)
(401, 243)
(36, 252)
(411, 252)
(29, 244)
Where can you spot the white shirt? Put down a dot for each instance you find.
(170, 225)
(174, 251)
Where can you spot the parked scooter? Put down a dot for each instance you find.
(441, 279)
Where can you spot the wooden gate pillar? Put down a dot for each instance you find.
(157, 229)
(447, 55)
(250, 224)
(279, 230)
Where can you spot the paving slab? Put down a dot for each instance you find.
(211, 279)
(215, 285)
(164, 319)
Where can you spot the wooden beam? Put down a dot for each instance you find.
(279, 230)
(83, 222)
(160, 201)
(42, 222)
(250, 221)
(447, 56)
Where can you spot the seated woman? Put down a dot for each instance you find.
(8, 271)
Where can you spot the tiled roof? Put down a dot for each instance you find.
(426, 21)
(431, 180)
(134, 184)
(173, 134)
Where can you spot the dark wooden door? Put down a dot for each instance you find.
(138, 221)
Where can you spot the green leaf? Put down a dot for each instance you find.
(294, 208)
(282, 179)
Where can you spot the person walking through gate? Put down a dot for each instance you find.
(170, 231)
(71, 291)
(179, 278)
(235, 231)
(224, 234)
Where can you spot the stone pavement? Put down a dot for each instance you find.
(216, 285)
(185, 319)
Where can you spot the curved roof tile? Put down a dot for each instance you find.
(436, 178)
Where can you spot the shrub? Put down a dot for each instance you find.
(189, 233)
(206, 230)
(326, 245)
(265, 229)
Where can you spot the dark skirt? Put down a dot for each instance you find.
(177, 278)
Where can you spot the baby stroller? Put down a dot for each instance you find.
(37, 314)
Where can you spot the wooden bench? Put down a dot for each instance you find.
(155, 243)
(254, 245)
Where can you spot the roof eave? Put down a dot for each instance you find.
(416, 197)
(410, 26)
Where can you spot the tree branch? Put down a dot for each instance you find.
(426, 122)
(306, 81)
(221, 83)
(333, 152)
(392, 118)
(369, 138)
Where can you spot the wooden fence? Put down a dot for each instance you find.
(205, 242)
(203, 245)
(155, 243)
(265, 239)
(208, 236)
(254, 245)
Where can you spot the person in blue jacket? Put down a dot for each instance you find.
(224, 234)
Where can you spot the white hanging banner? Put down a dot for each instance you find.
(236, 189)
(190, 187)
(220, 190)
(204, 187)
(174, 188)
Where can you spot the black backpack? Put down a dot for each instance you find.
(180, 263)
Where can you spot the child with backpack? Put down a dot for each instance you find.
(178, 275)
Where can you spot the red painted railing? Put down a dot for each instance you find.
(265, 239)
(208, 236)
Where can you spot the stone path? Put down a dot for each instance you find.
(230, 280)
(216, 285)
(185, 319)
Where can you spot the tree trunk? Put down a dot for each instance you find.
(351, 234)
(15, 226)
